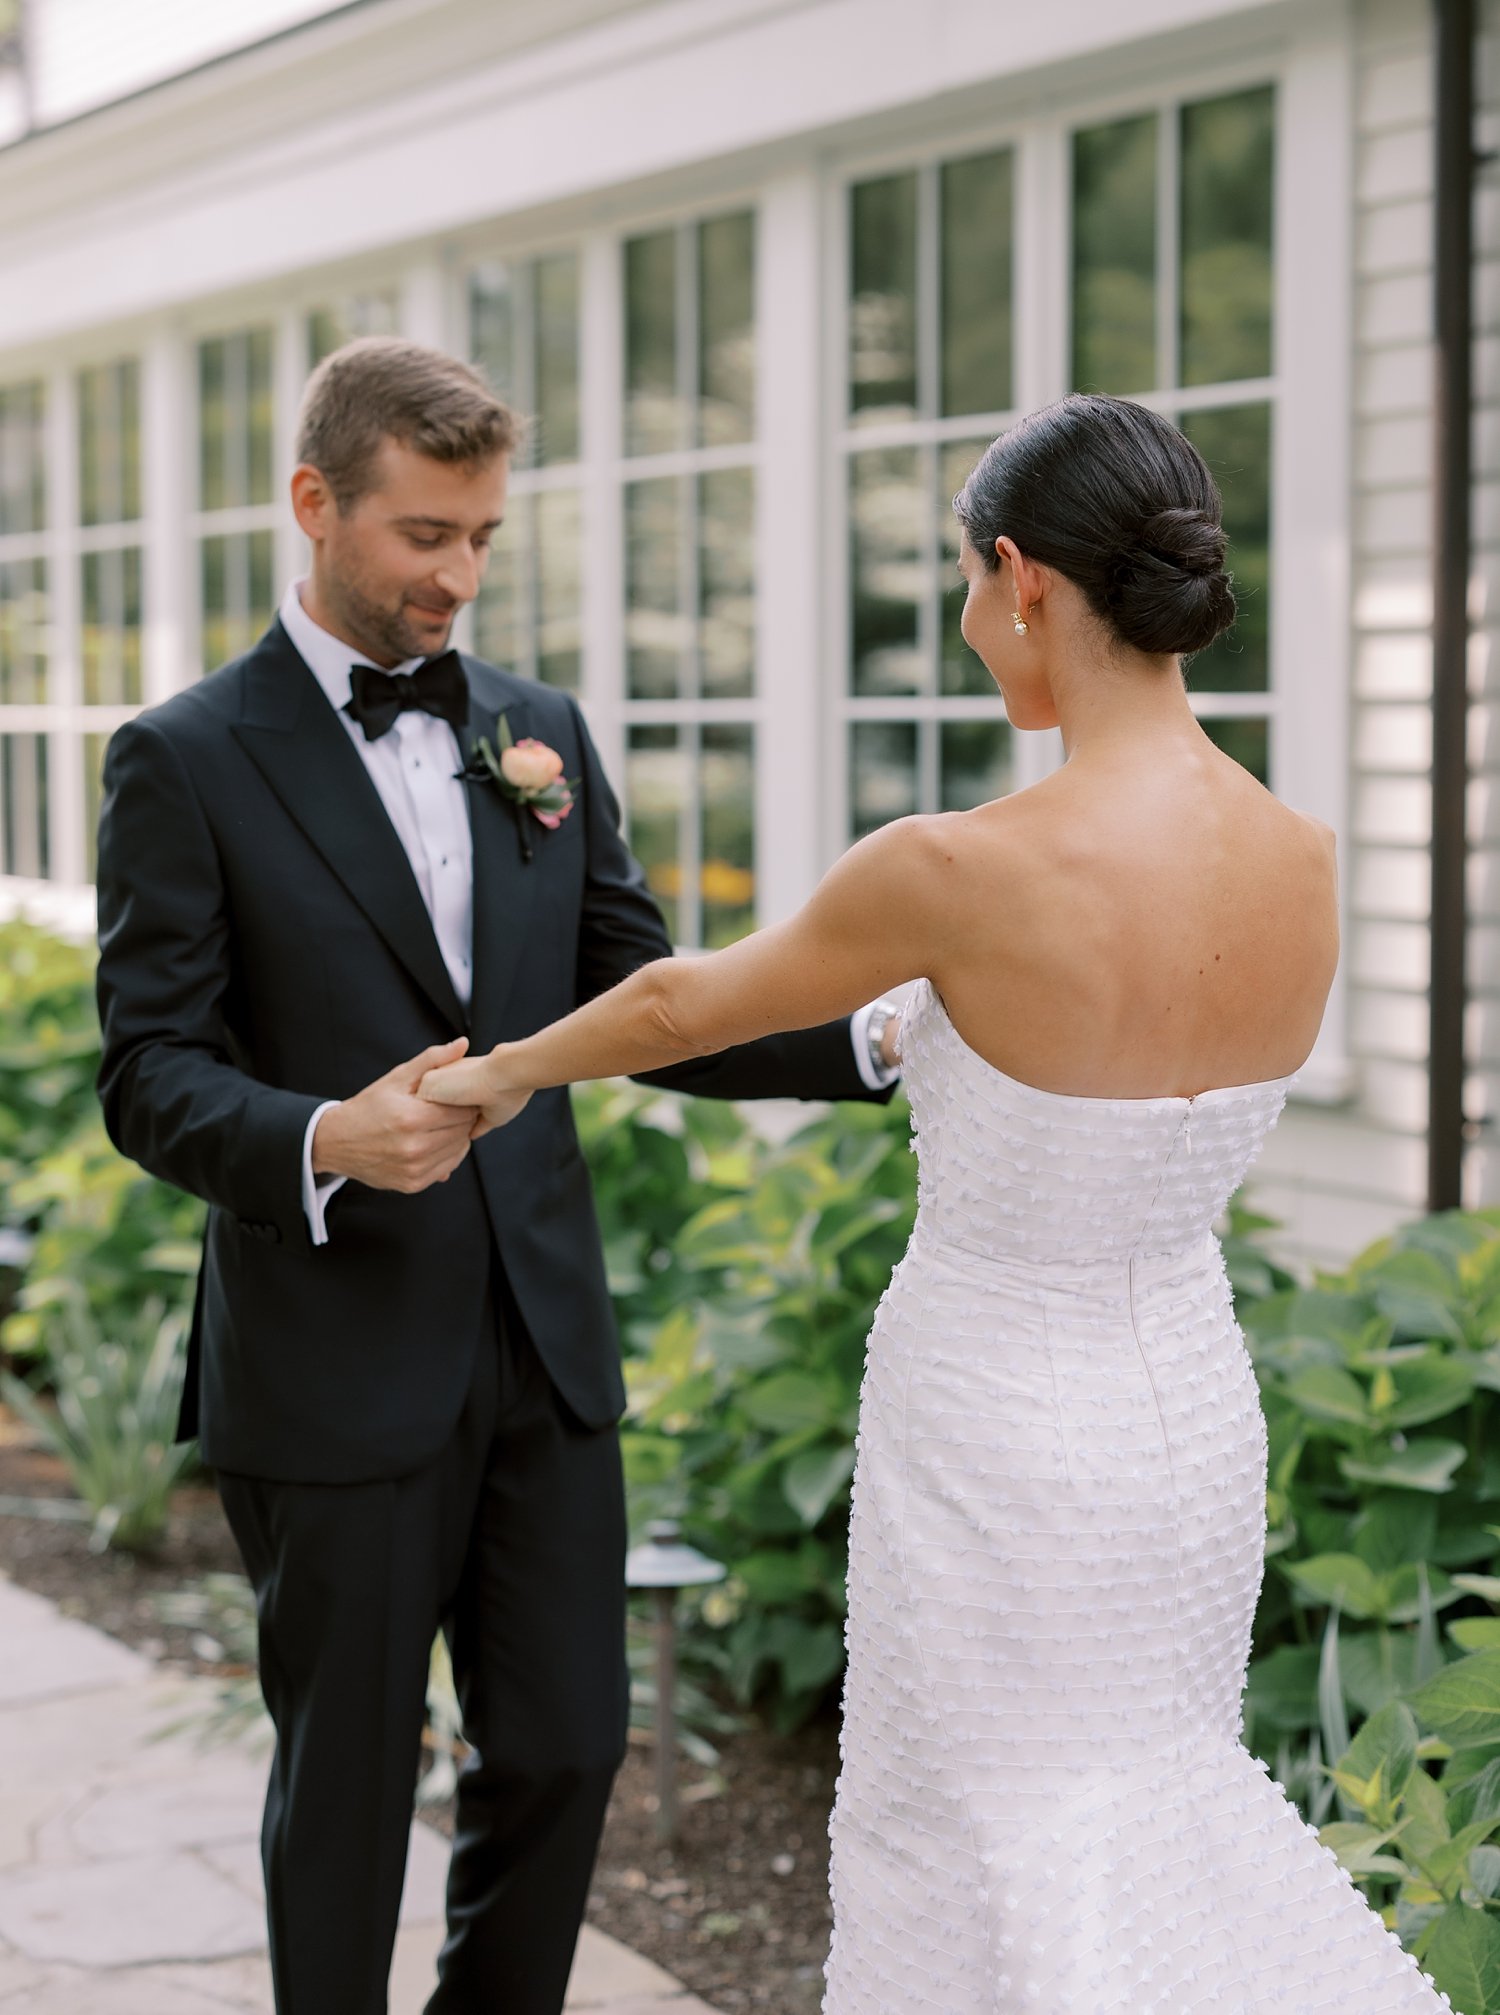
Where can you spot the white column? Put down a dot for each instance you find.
(167, 382)
(1311, 457)
(424, 302)
(65, 673)
(791, 760)
(290, 377)
(1040, 322)
(601, 409)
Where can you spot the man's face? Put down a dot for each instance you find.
(391, 575)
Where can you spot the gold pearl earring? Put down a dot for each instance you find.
(1021, 624)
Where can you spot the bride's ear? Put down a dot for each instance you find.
(1026, 580)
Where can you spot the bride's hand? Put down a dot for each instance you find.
(479, 1082)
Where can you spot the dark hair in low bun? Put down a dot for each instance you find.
(1120, 501)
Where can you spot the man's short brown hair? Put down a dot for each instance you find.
(380, 388)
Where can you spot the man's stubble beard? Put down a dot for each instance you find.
(381, 633)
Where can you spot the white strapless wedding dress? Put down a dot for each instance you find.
(1055, 1552)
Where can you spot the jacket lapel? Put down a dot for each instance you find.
(504, 880)
(305, 754)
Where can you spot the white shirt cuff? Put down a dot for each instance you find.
(317, 1189)
(876, 1076)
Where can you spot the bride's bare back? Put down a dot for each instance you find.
(1139, 926)
(1148, 922)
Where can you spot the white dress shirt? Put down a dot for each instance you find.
(413, 767)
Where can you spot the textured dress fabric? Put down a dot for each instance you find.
(1056, 1547)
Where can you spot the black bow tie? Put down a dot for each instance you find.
(437, 686)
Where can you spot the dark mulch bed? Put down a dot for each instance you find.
(738, 1909)
(117, 1592)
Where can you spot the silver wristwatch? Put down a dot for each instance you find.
(875, 1027)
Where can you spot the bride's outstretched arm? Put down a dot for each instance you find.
(874, 920)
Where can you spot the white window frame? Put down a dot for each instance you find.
(1310, 393)
(798, 191)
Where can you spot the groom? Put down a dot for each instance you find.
(404, 1368)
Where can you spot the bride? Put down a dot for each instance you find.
(1058, 1517)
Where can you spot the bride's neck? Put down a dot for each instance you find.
(1106, 707)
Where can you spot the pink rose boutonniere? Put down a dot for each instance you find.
(529, 774)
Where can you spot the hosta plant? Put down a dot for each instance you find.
(113, 1413)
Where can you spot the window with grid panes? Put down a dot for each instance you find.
(524, 335)
(235, 523)
(688, 510)
(930, 383)
(25, 847)
(111, 565)
(1172, 302)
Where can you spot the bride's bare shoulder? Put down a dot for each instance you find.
(1319, 835)
(934, 843)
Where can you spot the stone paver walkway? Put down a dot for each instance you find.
(129, 1866)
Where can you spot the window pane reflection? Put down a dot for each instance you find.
(559, 589)
(973, 763)
(109, 443)
(492, 331)
(653, 407)
(960, 670)
(1227, 189)
(1248, 741)
(655, 786)
(339, 322)
(882, 773)
(235, 420)
(555, 369)
(726, 583)
(23, 632)
(888, 512)
(1114, 256)
(24, 842)
(111, 635)
(23, 458)
(975, 313)
(656, 633)
(883, 298)
(528, 616)
(93, 747)
(238, 593)
(503, 619)
(726, 330)
(1235, 441)
(726, 786)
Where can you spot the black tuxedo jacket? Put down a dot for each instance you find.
(264, 947)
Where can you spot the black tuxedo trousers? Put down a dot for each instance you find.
(413, 1424)
(511, 1539)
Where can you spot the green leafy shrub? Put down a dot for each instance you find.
(93, 1222)
(115, 1412)
(1421, 1843)
(49, 1051)
(745, 1318)
(1378, 1612)
(103, 1229)
(1379, 1386)
(744, 1391)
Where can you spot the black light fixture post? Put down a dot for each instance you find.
(666, 1565)
(1452, 470)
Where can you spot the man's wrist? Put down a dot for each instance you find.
(325, 1141)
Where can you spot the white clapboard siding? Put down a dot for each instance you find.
(1342, 1177)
